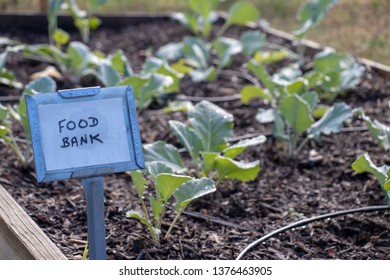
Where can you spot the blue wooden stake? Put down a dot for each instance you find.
(93, 189)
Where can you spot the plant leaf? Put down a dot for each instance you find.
(187, 137)
(351, 72)
(279, 128)
(157, 207)
(226, 48)
(60, 37)
(165, 153)
(78, 55)
(287, 75)
(311, 13)
(158, 66)
(242, 12)
(331, 122)
(203, 7)
(137, 215)
(261, 73)
(208, 161)
(229, 168)
(269, 57)
(265, 115)
(199, 75)
(212, 124)
(139, 181)
(378, 130)
(155, 168)
(108, 74)
(364, 164)
(196, 51)
(296, 112)
(250, 92)
(191, 190)
(166, 184)
(327, 61)
(252, 41)
(121, 64)
(311, 98)
(170, 51)
(234, 150)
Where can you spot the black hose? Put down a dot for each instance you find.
(308, 221)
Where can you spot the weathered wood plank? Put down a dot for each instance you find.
(20, 237)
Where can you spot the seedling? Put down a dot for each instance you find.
(155, 79)
(205, 138)
(293, 105)
(381, 134)
(193, 55)
(7, 114)
(200, 16)
(382, 173)
(378, 130)
(82, 21)
(184, 189)
(75, 63)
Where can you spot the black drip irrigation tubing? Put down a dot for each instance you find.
(308, 221)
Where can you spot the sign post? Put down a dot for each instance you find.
(93, 189)
(85, 133)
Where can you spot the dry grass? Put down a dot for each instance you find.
(357, 26)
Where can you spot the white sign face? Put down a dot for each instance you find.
(82, 134)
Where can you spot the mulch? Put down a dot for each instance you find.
(221, 225)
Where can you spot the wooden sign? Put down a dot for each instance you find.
(84, 132)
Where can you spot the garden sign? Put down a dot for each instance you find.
(85, 133)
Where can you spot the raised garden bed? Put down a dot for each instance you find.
(220, 226)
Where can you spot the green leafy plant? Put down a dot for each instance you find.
(339, 72)
(382, 173)
(81, 20)
(363, 164)
(205, 138)
(194, 55)
(19, 113)
(199, 17)
(379, 131)
(184, 190)
(75, 63)
(156, 78)
(201, 14)
(293, 105)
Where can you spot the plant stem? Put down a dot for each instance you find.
(303, 143)
(154, 236)
(16, 149)
(223, 29)
(301, 51)
(172, 225)
(291, 144)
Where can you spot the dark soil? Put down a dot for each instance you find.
(222, 225)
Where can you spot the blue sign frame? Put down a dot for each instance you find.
(70, 96)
